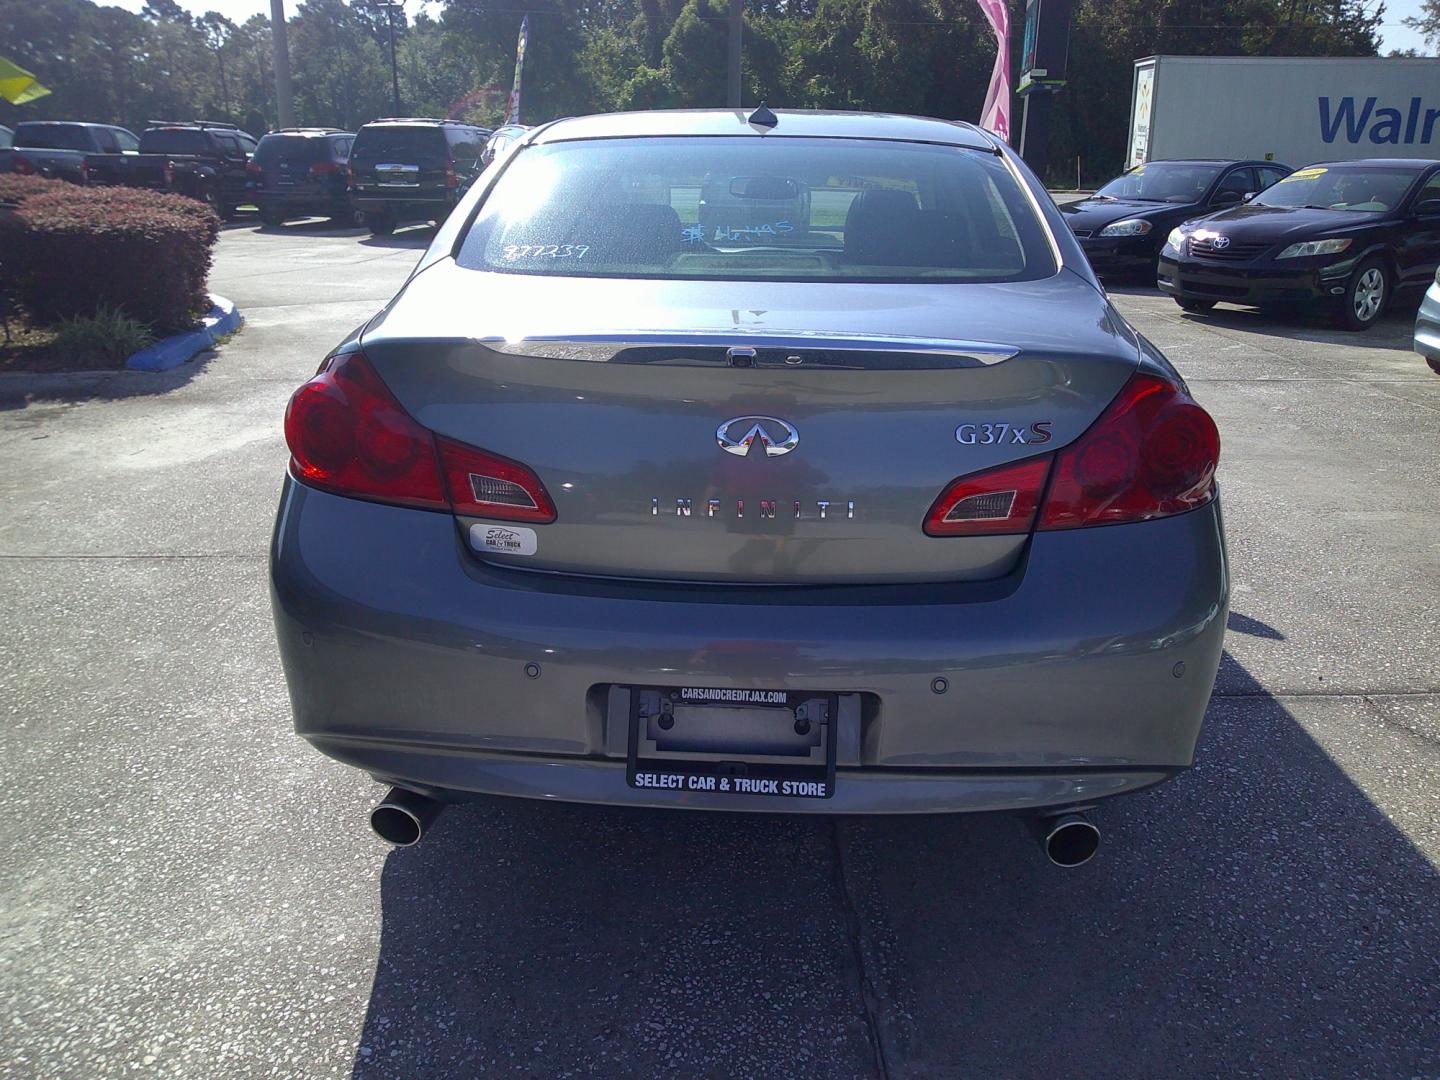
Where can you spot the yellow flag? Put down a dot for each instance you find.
(17, 85)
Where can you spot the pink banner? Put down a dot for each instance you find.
(995, 116)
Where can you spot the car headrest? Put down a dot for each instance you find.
(641, 233)
(881, 226)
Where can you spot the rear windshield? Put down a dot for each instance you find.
(53, 137)
(744, 208)
(173, 141)
(1340, 187)
(274, 149)
(401, 145)
(1162, 182)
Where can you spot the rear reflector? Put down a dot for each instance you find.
(997, 501)
(348, 435)
(486, 485)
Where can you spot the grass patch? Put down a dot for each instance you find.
(100, 342)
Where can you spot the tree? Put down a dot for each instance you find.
(217, 31)
(1427, 23)
(926, 56)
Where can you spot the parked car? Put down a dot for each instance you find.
(501, 140)
(69, 150)
(1427, 326)
(1348, 234)
(1122, 227)
(412, 169)
(297, 172)
(201, 159)
(889, 513)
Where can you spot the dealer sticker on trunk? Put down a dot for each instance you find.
(503, 539)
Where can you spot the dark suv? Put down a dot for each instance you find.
(412, 169)
(297, 172)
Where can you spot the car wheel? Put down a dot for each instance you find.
(1366, 294)
(380, 224)
(1434, 363)
(1195, 307)
(271, 219)
(348, 219)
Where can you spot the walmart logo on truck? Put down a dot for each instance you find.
(1412, 125)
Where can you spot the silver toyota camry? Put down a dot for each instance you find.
(784, 462)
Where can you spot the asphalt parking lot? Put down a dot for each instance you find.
(190, 891)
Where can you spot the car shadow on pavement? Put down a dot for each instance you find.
(407, 236)
(1393, 330)
(1258, 916)
(311, 226)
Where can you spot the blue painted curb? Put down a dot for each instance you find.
(223, 318)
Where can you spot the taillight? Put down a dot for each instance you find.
(22, 165)
(1000, 500)
(349, 176)
(1151, 454)
(252, 169)
(487, 485)
(451, 180)
(324, 168)
(347, 434)
(169, 174)
(84, 173)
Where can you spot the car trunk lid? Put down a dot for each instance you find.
(656, 413)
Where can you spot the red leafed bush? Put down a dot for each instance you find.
(70, 252)
(15, 188)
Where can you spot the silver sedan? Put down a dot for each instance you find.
(791, 462)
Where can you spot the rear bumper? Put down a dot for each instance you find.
(1084, 674)
(296, 202)
(402, 203)
(1252, 284)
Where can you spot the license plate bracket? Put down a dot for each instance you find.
(727, 741)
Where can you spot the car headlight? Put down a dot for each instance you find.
(1128, 227)
(1313, 247)
(1176, 240)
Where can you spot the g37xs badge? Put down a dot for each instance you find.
(1000, 432)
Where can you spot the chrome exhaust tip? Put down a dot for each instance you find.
(1069, 840)
(402, 817)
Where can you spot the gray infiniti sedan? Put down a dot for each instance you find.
(784, 462)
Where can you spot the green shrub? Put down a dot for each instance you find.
(15, 188)
(71, 252)
(104, 339)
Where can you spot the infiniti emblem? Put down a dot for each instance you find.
(1220, 242)
(736, 436)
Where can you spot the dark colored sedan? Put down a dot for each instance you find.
(1349, 235)
(849, 491)
(1122, 227)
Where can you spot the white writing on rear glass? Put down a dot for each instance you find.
(546, 251)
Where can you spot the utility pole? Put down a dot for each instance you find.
(284, 113)
(737, 25)
(394, 70)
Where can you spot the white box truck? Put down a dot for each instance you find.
(1294, 110)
